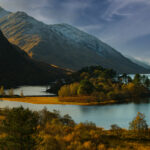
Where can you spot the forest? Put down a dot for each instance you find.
(97, 84)
(23, 129)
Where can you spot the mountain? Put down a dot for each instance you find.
(139, 62)
(17, 68)
(62, 44)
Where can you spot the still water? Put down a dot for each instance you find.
(31, 91)
(40, 90)
(102, 116)
(132, 75)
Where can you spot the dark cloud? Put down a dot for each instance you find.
(117, 22)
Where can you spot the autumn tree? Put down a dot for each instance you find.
(11, 92)
(2, 92)
(69, 90)
(21, 93)
(137, 79)
(85, 88)
(138, 124)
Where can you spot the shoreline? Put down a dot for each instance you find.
(55, 100)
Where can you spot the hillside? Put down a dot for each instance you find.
(62, 44)
(17, 68)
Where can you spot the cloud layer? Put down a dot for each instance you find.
(124, 24)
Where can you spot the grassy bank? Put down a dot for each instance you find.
(22, 129)
(56, 100)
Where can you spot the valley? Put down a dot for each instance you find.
(62, 88)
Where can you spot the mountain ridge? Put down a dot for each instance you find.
(139, 62)
(63, 45)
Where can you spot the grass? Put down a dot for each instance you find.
(35, 100)
(54, 100)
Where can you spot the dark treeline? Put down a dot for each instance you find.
(22, 129)
(102, 84)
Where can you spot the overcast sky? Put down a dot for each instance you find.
(123, 24)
